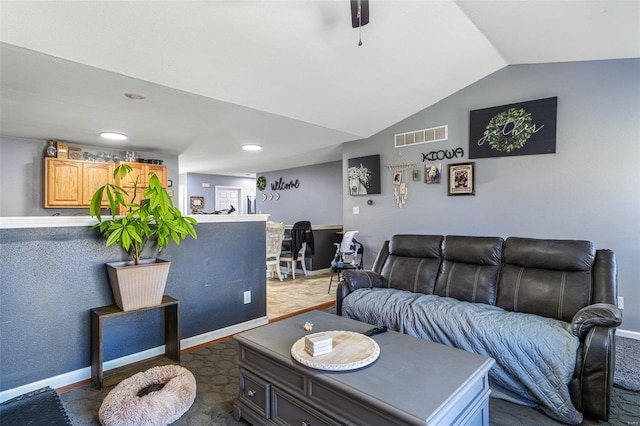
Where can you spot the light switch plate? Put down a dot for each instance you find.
(356, 210)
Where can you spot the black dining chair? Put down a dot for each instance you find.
(300, 243)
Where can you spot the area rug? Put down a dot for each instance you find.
(627, 373)
(40, 407)
(216, 371)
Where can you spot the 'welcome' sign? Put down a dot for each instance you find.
(525, 128)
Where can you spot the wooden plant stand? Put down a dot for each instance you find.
(171, 336)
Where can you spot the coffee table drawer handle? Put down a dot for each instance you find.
(251, 393)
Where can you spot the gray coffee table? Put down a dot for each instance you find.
(412, 382)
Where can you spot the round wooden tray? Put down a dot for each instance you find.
(350, 351)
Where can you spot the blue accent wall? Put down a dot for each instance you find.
(52, 277)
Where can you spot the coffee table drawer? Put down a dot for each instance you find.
(288, 411)
(255, 392)
(271, 369)
(351, 411)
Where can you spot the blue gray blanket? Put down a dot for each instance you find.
(535, 356)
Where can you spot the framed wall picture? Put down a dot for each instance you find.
(196, 203)
(525, 128)
(363, 175)
(432, 173)
(397, 177)
(461, 179)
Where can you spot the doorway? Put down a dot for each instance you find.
(228, 196)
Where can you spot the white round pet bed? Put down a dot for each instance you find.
(135, 401)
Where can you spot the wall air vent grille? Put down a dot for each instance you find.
(433, 134)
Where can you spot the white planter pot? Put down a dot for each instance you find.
(138, 286)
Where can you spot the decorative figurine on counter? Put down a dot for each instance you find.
(51, 150)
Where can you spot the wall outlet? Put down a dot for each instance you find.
(206, 185)
(620, 302)
(356, 210)
(247, 297)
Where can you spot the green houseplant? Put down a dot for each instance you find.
(146, 217)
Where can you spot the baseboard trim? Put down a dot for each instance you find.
(628, 334)
(300, 273)
(321, 307)
(221, 333)
(320, 271)
(76, 376)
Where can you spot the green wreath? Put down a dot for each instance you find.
(516, 136)
(261, 183)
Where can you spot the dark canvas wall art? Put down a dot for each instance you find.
(363, 175)
(524, 128)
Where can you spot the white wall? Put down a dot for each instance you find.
(589, 189)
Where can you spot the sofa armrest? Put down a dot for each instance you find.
(356, 279)
(598, 314)
(596, 374)
(341, 292)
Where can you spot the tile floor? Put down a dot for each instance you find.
(290, 296)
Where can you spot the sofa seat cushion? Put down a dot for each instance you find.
(379, 306)
(535, 356)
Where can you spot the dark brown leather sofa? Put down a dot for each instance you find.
(568, 280)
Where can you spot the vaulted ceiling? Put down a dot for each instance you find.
(288, 75)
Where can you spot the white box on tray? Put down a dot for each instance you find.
(318, 344)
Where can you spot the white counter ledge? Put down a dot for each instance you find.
(69, 221)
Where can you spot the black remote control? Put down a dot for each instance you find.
(375, 330)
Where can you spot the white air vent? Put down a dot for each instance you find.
(434, 134)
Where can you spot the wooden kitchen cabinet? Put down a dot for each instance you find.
(141, 173)
(72, 183)
(63, 180)
(160, 171)
(94, 175)
(137, 176)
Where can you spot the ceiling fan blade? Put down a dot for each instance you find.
(363, 19)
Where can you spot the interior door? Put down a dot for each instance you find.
(228, 196)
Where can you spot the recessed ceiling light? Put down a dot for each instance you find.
(113, 136)
(251, 147)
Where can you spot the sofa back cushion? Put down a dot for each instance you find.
(470, 269)
(413, 262)
(551, 278)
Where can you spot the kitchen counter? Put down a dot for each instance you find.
(67, 221)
